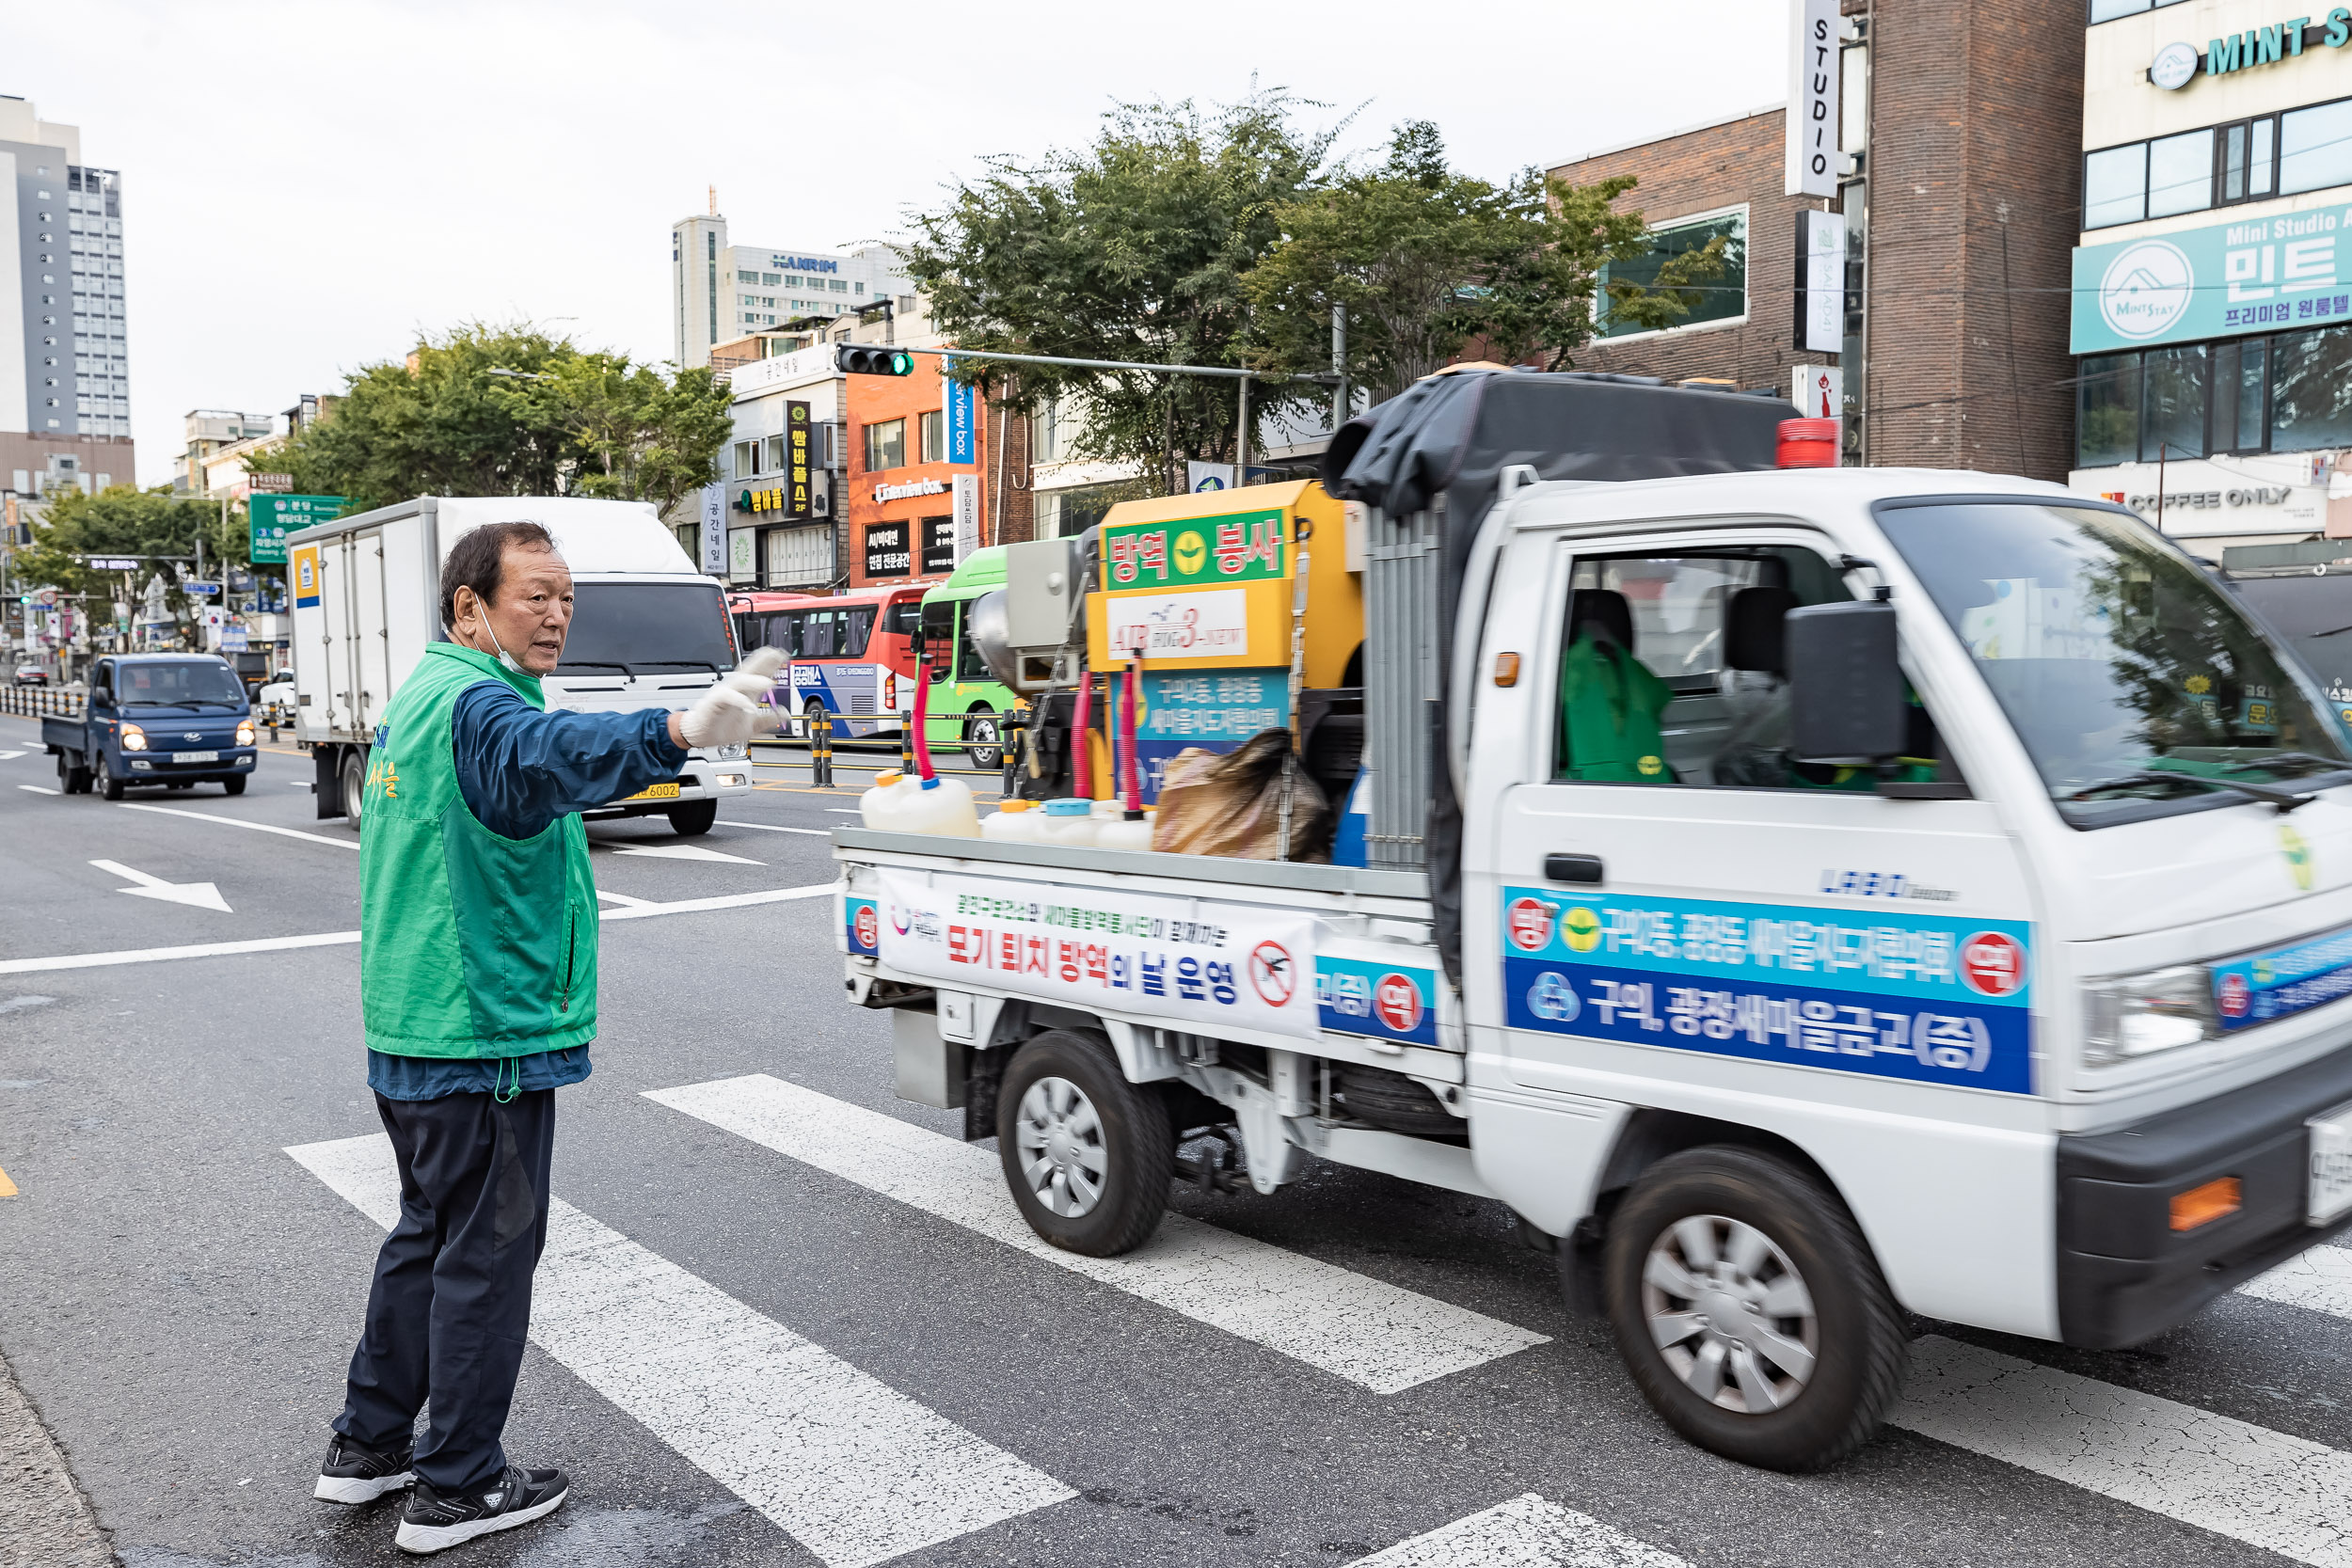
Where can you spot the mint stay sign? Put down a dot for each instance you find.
(2227, 279)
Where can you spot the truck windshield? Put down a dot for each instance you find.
(647, 628)
(196, 683)
(2314, 613)
(2125, 670)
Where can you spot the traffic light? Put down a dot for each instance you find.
(871, 360)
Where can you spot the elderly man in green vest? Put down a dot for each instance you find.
(477, 994)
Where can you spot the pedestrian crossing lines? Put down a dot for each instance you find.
(855, 1471)
(1371, 1332)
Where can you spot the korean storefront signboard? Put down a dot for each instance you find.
(796, 460)
(2226, 279)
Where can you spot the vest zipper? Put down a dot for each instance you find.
(571, 944)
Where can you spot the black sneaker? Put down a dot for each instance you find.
(432, 1523)
(353, 1474)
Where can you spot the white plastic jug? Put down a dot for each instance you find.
(877, 807)
(1124, 833)
(942, 806)
(1068, 825)
(1014, 822)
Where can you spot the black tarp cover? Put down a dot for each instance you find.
(1450, 436)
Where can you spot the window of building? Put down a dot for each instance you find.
(838, 285)
(2219, 165)
(2281, 393)
(747, 277)
(746, 459)
(767, 279)
(775, 455)
(1722, 297)
(2307, 405)
(791, 279)
(934, 426)
(2173, 402)
(885, 445)
(2249, 155)
(2108, 10)
(2180, 173)
(2316, 148)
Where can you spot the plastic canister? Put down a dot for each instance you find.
(1014, 822)
(1069, 825)
(877, 807)
(942, 806)
(1125, 832)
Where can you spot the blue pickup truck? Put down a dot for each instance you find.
(175, 719)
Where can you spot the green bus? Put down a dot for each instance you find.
(966, 702)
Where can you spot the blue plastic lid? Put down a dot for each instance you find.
(930, 783)
(1068, 808)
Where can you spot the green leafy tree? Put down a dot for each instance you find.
(123, 521)
(1429, 262)
(1134, 248)
(569, 421)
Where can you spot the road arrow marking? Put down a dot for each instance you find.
(10, 756)
(36, 790)
(202, 896)
(687, 852)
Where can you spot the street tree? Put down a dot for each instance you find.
(1429, 262)
(566, 422)
(1134, 248)
(122, 521)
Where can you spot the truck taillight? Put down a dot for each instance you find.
(1807, 444)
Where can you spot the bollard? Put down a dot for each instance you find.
(820, 750)
(906, 747)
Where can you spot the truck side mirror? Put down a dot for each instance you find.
(1846, 700)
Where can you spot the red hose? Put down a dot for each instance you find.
(922, 709)
(1127, 699)
(1081, 753)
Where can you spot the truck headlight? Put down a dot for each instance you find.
(2138, 1015)
(133, 738)
(245, 732)
(733, 754)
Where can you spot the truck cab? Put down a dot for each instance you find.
(169, 719)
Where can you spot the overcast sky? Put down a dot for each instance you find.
(308, 187)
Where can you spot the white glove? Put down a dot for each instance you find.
(731, 712)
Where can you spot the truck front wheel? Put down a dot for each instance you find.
(983, 743)
(109, 781)
(694, 816)
(1088, 1155)
(1750, 1311)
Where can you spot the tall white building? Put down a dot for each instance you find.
(721, 292)
(65, 382)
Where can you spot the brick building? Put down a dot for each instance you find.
(1962, 128)
(912, 441)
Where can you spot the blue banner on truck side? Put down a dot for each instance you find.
(1934, 999)
(1389, 1002)
(861, 925)
(2284, 980)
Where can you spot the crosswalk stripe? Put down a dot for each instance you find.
(1371, 1332)
(1525, 1532)
(2320, 1279)
(2269, 1489)
(853, 1470)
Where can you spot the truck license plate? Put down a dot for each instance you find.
(656, 792)
(2330, 1191)
(196, 756)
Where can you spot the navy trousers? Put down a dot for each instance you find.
(450, 1306)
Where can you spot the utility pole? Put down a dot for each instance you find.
(1339, 367)
(1241, 442)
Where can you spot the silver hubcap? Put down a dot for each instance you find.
(1729, 1314)
(1060, 1141)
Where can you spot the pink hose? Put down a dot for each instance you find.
(1081, 753)
(922, 709)
(1127, 700)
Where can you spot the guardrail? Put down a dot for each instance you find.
(41, 701)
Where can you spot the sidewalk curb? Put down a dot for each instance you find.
(45, 1521)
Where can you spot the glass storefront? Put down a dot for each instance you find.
(2289, 392)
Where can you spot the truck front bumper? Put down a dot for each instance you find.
(2124, 1273)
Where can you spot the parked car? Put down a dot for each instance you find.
(155, 718)
(274, 703)
(31, 674)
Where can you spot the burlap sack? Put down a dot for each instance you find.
(1231, 805)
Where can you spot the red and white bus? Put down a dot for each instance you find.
(852, 654)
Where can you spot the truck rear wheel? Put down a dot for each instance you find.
(354, 785)
(983, 743)
(72, 778)
(1750, 1311)
(696, 816)
(1088, 1154)
(109, 782)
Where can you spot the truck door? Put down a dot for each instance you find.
(1678, 913)
(370, 650)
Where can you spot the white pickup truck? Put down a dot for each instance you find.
(1975, 942)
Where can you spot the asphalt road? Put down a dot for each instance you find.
(747, 1355)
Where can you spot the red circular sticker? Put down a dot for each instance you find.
(1272, 973)
(1531, 923)
(868, 928)
(1397, 1000)
(1992, 963)
(2233, 996)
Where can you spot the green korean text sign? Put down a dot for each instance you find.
(273, 517)
(2224, 280)
(1238, 546)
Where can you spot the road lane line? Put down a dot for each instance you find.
(622, 899)
(847, 1466)
(351, 843)
(1371, 1332)
(8, 1188)
(40, 789)
(333, 939)
(1525, 1532)
(771, 827)
(2269, 1489)
(685, 852)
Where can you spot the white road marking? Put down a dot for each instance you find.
(622, 899)
(334, 939)
(10, 756)
(1373, 1334)
(771, 828)
(1525, 1532)
(686, 852)
(845, 810)
(350, 842)
(853, 1470)
(2320, 1279)
(2269, 1489)
(202, 895)
(40, 789)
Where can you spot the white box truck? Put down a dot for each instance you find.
(648, 631)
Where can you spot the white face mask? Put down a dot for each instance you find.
(504, 657)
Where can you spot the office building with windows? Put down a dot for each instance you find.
(64, 388)
(2212, 288)
(722, 292)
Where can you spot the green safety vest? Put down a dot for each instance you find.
(471, 944)
(1608, 707)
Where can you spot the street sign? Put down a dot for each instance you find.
(200, 590)
(233, 640)
(270, 518)
(277, 483)
(45, 596)
(112, 563)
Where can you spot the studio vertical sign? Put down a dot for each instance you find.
(1813, 69)
(1820, 282)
